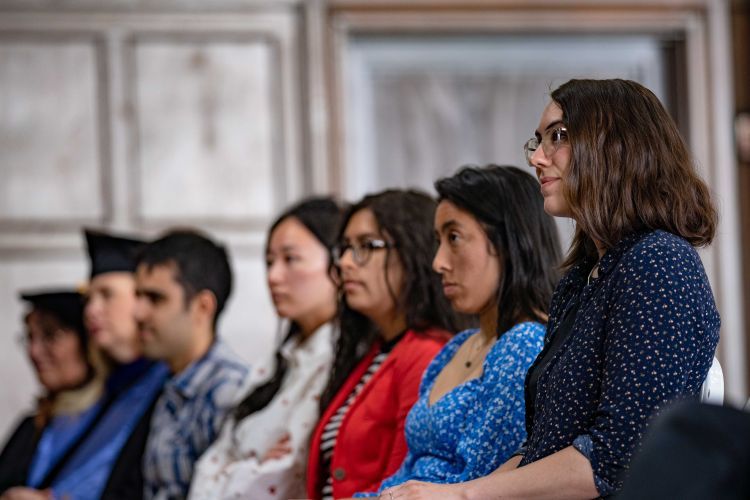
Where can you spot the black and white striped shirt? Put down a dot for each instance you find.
(331, 430)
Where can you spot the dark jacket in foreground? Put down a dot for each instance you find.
(692, 452)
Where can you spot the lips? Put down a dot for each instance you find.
(94, 330)
(350, 285)
(547, 184)
(450, 289)
(548, 180)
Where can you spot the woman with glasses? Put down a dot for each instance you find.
(56, 343)
(498, 256)
(633, 324)
(261, 452)
(393, 320)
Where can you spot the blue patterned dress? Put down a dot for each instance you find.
(471, 430)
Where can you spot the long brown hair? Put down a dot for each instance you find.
(630, 169)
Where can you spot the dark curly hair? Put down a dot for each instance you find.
(406, 218)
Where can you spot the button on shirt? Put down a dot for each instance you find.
(644, 335)
(187, 419)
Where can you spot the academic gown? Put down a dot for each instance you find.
(17, 453)
(106, 462)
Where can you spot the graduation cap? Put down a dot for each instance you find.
(109, 253)
(66, 305)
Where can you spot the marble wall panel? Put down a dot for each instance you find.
(206, 119)
(51, 131)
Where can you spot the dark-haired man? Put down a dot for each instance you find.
(183, 281)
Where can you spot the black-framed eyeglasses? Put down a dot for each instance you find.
(552, 140)
(361, 252)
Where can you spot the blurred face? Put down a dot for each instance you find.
(165, 323)
(369, 286)
(297, 274)
(56, 354)
(110, 315)
(551, 169)
(466, 260)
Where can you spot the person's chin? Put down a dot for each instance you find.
(281, 311)
(555, 207)
(360, 306)
(354, 298)
(462, 307)
(103, 342)
(152, 350)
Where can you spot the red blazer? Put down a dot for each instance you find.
(371, 444)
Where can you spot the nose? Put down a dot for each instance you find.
(36, 350)
(538, 158)
(346, 260)
(440, 262)
(92, 308)
(274, 273)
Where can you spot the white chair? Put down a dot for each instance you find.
(712, 390)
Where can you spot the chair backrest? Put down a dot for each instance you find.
(712, 390)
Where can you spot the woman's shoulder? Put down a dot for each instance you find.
(526, 329)
(662, 257)
(527, 336)
(24, 430)
(433, 337)
(662, 244)
(418, 348)
(513, 353)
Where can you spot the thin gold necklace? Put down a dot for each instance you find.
(478, 350)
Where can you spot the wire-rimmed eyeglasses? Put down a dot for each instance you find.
(552, 140)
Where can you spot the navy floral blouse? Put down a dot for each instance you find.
(644, 335)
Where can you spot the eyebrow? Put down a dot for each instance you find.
(149, 293)
(283, 249)
(448, 224)
(361, 236)
(549, 126)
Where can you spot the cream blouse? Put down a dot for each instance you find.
(231, 467)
